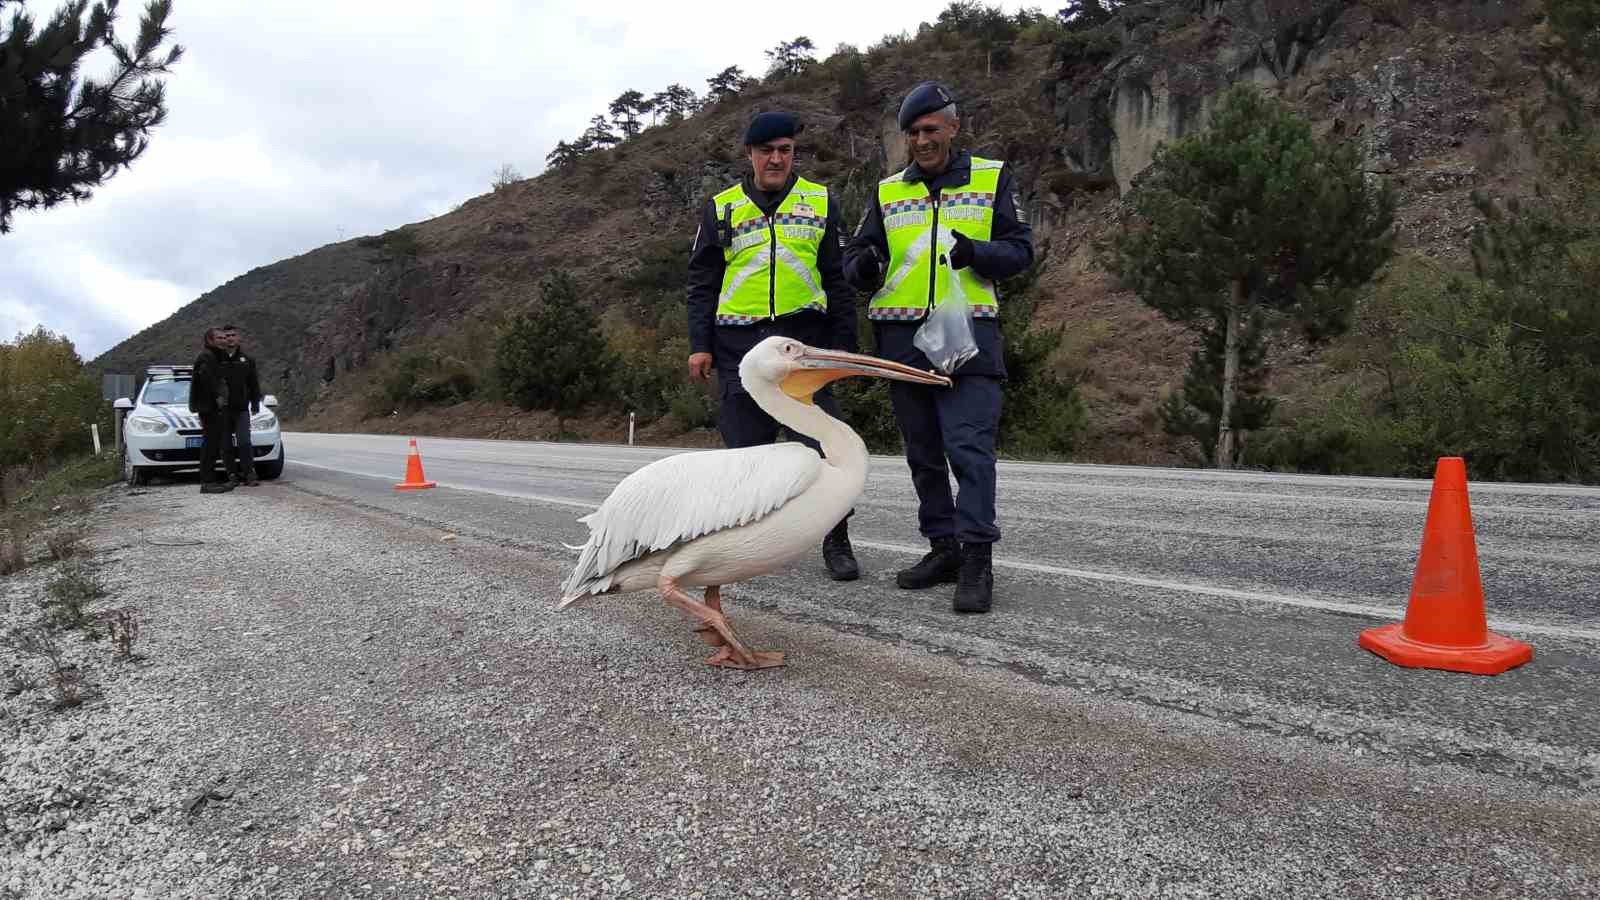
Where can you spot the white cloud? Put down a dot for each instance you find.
(298, 123)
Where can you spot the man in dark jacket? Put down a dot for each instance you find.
(208, 399)
(766, 262)
(945, 228)
(244, 401)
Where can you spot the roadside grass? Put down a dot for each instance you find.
(43, 503)
(46, 524)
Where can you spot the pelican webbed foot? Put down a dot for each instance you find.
(734, 654)
(761, 659)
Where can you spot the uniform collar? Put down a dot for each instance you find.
(769, 198)
(960, 162)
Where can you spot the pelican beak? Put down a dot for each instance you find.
(816, 368)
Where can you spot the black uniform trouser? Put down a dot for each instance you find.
(244, 455)
(213, 441)
(957, 424)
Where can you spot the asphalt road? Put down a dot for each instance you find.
(1235, 597)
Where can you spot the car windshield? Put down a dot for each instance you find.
(161, 393)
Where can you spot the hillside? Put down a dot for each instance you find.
(1432, 97)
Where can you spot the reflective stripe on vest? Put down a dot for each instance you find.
(753, 288)
(919, 235)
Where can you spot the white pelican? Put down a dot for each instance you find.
(715, 517)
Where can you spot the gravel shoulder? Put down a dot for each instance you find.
(376, 707)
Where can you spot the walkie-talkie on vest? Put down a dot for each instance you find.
(725, 227)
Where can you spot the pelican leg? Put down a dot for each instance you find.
(735, 655)
(706, 632)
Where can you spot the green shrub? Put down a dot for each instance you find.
(397, 244)
(68, 595)
(1044, 414)
(692, 406)
(46, 403)
(1087, 47)
(552, 355)
(867, 410)
(425, 378)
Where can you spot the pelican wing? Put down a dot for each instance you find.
(684, 497)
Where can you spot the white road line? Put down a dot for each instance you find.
(1359, 609)
(542, 498)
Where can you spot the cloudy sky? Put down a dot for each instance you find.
(297, 123)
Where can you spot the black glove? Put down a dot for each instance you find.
(255, 409)
(868, 271)
(961, 253)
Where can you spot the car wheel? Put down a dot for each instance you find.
(267, 471)
(136, 476)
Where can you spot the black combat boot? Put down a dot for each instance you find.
(837, 554)
(975, 586)
(939, 566)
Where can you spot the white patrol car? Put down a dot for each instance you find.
(162, 436)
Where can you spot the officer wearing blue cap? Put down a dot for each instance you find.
(946, 226)
(767, 260)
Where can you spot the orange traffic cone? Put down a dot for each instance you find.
(414, 480)
(1445, 626)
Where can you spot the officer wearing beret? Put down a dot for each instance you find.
(767, 260)
(945, 226)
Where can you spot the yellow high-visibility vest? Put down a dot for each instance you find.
(772, 260)
(919, 235)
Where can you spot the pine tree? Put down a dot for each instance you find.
(599, 134)
(562, 156)
(1081, 15)
(1196, 411)
(1253, 214)
(625, 111)
(991, 26)
(553, 355)
(63, 137)
(676, 102)
(791, 58)
(725, 84)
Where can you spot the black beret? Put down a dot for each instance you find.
(927, 97)
(769, 126)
